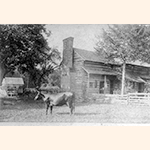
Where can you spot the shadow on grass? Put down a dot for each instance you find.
(78, 114)
(23, 106)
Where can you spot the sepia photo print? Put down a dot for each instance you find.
(75, 74)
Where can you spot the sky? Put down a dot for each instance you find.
(84, 35)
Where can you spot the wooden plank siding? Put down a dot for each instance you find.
(93, 79)
(97, 77)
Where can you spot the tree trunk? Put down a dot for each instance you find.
(123, 78)
(1, 78)
(2, 72)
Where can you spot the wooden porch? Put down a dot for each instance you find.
(108, 81)
(100, 81)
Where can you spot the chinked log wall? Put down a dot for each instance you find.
(78, 81)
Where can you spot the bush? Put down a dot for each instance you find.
(28, 94)
(51, 89)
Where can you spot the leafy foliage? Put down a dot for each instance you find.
(125, 43)
(24, 47)
(54, 78)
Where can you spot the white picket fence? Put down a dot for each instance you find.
(129, 99)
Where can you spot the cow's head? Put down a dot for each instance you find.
(39, 96)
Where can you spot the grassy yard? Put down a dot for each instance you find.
(84, 113)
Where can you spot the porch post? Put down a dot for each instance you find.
(105, 84)
(123, 78)
(88, 80)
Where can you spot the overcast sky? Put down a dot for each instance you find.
(84, 35)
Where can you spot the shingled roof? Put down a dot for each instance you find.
(94, 56)
(13, 78)
(90, 55)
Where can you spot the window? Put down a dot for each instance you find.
(134, 85)
(96, 83)
(91, 84)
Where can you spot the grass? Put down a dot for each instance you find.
(84, 113)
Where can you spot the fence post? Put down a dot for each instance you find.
(148, 99)
(128, 98)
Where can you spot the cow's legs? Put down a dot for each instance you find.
(47, 106)
(72, 108)
(51, 108)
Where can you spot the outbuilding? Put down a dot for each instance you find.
(13, 83)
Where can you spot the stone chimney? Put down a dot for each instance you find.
(68, 52)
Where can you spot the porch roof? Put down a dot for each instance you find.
(99, 71)
(134, 78)
(145, 77)
(128, 76)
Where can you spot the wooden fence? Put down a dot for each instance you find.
(139, 98)
(130, 99)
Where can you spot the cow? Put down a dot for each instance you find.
(59, 99)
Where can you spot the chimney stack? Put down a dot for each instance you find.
(68, 52)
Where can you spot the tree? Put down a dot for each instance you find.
(55, 78)
(121, 43)
(44, 69)
(141, 43)
(25, 47)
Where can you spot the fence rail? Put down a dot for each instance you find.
(132, 98)
(139, 98)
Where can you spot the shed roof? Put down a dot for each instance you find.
(12, 81)
(92, 70)
(134, 78)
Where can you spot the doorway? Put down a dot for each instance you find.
(101, 87)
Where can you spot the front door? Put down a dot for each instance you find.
(140, 87)
(111, 86)
(101, 87)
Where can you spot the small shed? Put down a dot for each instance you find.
(12, 83)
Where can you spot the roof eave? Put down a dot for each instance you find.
(80, 55)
